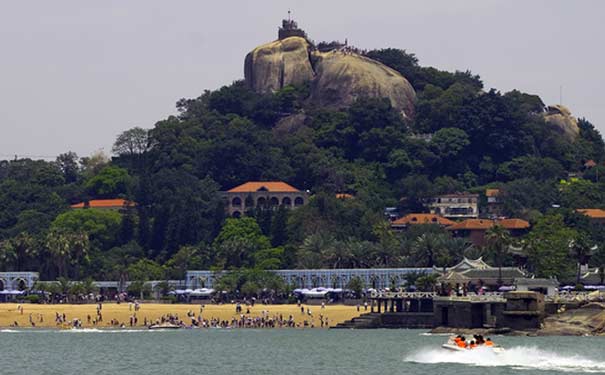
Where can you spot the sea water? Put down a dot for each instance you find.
(284, 351)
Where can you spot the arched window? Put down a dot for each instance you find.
(274, 201)
(236, 202)
(299, 201)
(236, 214)
(261, 202)
(286, 202)
(21, 284)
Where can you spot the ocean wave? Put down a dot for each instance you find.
(521, 358)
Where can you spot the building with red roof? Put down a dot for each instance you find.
(264, 194)
(106, 204)
(475, 229)
(417, 219)
(594, 214)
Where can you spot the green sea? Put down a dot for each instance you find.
(285, 351)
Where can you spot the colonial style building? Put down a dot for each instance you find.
(475, 229)
(415, 219)
(455, 206)
(263, 194)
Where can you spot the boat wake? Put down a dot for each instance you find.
(521, 358)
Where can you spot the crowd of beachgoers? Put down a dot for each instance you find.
(242, 317)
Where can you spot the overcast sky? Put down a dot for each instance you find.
(74, 74)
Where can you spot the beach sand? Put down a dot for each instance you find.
(9, 313)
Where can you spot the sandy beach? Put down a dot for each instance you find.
(9, 313)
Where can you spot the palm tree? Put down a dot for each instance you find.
(581, 249)
(66, 247)
(498, 240)
(8, 255)
(427, 247)
(25, 248)
(337, 255)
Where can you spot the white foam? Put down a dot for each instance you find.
(516, 357)
(8, 331)
(103, 330)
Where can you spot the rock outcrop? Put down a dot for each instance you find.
(337, 77)
(586, 320)
(277, 64)
(560, 117)
(342, 77)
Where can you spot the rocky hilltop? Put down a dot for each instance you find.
(337, 77)
(560, 117)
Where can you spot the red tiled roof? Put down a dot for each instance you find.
(484, 224)
(593, 213)
(423, 219)
(492, 192)
(589, 164)
(513, 223)
(272, 186)
(343, 196)
(104, 203)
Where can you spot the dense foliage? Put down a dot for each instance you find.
(462, 139)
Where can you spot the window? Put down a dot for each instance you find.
(286, 201)
(236, 202)
(299, 201)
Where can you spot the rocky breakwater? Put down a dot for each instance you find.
(588, 319)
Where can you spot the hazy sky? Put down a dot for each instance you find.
(74, 74)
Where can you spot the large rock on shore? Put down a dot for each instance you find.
(337, 77)
(586, 320)
(560, 117)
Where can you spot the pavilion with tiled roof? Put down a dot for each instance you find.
(477, 271)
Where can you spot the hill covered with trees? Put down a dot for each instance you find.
(461, 138)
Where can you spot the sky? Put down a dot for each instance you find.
(74, 74)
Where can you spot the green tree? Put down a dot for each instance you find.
(67, 249)
(547, 247)
(581, 249)
(498, 240)
(110, 182)
(102, 226)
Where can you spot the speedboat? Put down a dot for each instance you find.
(452, 346)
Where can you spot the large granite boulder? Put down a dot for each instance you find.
(560, 117)
(342, 77)
(337, 77)
(277, 64)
